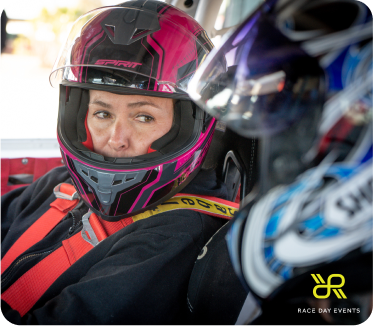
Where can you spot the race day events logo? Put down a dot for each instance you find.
(324, 290)
(336, 288)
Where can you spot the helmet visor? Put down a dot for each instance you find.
(129, 47)
(269, 82)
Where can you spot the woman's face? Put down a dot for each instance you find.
(126, 125)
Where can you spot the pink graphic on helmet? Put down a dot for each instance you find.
(140, 184)
(159, 50)
(162, 61)
(117, 63)
(146, 187)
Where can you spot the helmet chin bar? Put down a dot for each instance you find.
(108, 184)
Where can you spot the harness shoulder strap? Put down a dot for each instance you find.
(42, 226)
(204, 204)
(96, 229)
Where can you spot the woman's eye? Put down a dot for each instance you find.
(144, 118)
(102, 115)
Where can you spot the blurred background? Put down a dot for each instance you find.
(32, 33)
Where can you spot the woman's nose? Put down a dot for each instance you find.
(120, 136)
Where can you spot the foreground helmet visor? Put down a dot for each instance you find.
(269, 82)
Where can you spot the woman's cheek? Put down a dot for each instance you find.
(100, 136)
(145, 138)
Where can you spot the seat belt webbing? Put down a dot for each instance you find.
(38, 230)
(28, 289)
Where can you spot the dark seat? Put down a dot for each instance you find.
(215, 294)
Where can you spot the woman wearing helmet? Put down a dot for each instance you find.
(302, 85)
(130, 139)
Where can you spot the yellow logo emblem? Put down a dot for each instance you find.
(336, 288)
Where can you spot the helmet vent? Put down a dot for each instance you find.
(139, 32)
(110, 29)
(94, 179)
(129, 179)
(130, 25)
(117, 182)
(85, 172)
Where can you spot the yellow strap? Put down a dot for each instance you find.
(204, 205)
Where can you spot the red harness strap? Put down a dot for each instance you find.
(27, 290)
(38, 230)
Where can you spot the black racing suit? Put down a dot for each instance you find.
(138, 275)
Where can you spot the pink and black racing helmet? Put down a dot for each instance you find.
(143, 48)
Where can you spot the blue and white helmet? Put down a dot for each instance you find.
(299, 78)
(327, 212)
(320, 218)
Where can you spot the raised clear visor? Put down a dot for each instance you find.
(258, 82)
(132, 44)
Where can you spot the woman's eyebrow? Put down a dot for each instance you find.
(143, 103)
(101, 103)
